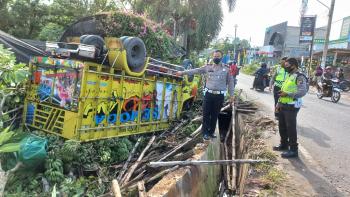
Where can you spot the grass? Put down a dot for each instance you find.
(275, 177)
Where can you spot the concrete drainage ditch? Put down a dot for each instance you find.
(216, 180)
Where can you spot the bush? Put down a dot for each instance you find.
(51, 32)
(250, 69)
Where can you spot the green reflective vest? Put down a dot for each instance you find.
(289, 86)
(280, 76)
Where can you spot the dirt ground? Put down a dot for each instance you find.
(301, 176)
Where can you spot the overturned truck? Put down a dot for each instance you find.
(100, 87)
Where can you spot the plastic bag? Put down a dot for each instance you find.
(33, 150)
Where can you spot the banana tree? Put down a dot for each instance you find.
(9, 143)
(12, 79)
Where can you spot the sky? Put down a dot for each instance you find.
(254, 16)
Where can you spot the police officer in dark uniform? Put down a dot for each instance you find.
(218, 80)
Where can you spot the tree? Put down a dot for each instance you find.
(51, 32)
(24, 18)
(65, 12)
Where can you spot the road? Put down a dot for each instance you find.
(323, 136)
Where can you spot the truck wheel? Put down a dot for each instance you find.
(82, 38)
(95, 40)
(135, 53)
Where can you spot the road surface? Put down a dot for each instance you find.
(323, 136)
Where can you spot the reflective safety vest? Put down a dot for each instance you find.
(289, 86)
(280, 76)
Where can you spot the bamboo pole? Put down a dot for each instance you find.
(203, 162)
(128, 160)
(142, 189)
(149, 179)
(228, 168)
(133, 167)
(233, 120)
(116, 189)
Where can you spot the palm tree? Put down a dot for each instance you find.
(231, 5)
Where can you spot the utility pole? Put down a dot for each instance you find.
(234, 44)
(325, 48)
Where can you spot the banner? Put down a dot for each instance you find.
(307, 27)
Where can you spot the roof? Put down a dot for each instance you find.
(339, 51)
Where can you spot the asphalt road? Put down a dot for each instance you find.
(323, 134)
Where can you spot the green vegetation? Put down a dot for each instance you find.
(75, 168)
(250, 69)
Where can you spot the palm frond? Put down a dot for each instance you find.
(231, 5)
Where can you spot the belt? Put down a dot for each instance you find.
(214, 91)
(288, 106)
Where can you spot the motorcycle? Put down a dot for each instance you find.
(344, 85)
(261, 82)
(330, 89)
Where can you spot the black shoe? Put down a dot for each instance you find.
(280, 148)
(206, 137)
(290, 154)
(213, 135)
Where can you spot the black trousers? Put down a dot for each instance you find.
(287, 124)
(276, 90)
(211, 108)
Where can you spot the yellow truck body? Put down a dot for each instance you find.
(86, 101)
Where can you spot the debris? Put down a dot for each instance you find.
(133, 167)
(129, 158)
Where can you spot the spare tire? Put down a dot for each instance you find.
(82, 38)
(135, 53)
(95, 40)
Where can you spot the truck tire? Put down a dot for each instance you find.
(82, 38)
(135, 53)
(95, 40)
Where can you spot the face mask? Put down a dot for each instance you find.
(288, 69)
(217, 60)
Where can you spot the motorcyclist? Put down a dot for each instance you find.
(340, 74)
(326, 78)
(259, 74)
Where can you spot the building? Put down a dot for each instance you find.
(345, 28)
(338, 50)
(283, 40)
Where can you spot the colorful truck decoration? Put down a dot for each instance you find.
(86, 100)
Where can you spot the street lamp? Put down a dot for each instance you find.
(234, 44)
